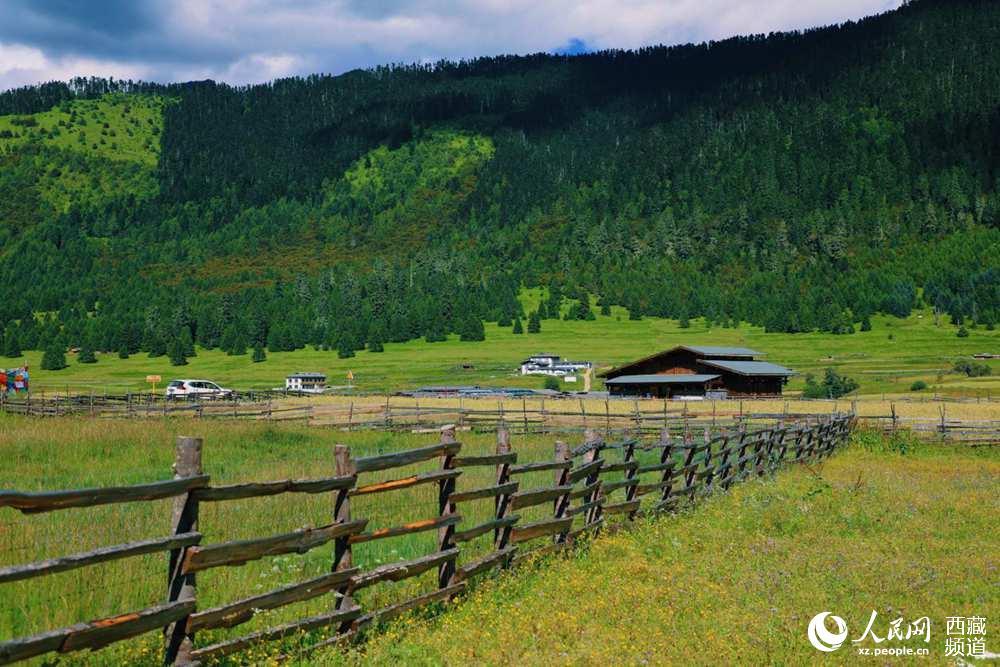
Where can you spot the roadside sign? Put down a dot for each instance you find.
(153, 379)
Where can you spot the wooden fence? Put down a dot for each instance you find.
(592, 484)
(517, 416)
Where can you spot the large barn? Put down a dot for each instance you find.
(692, 371)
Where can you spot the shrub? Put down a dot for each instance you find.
(919, 385)
(833, 385)
(971, 369)
(552, 383)
(962, 332)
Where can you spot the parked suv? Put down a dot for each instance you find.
(196, 389)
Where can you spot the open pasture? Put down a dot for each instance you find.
(885, 361)
(899, 527)
(69, 453)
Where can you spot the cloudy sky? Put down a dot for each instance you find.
(244, 41)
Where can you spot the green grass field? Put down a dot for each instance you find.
(875, 515)
(736, 580)
(887, 359)
(67, 453)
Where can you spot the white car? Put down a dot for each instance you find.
(196, 389)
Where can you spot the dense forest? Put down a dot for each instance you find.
(798, 181)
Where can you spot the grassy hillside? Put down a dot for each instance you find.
(114, 127)
(737, 580)
(82, 153)
(889, 358)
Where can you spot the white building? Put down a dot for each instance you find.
(551, 364)
(314, 383)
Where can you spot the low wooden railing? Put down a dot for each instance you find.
(591, 485)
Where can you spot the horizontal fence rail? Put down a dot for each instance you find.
(540, 416)
(599, 485)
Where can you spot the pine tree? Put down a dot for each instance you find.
(376, 337)
(154, 343)
(345, 348)
(86, 355)
(11, 346)
(606, 309)
(518, 329)
(258, 353)
(188, 341)
(473, 329)
(504, 320)
(239, 345)
(176, 353)
(54, 357)
(534, 323)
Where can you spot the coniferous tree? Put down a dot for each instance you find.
(534, 323)
(54, 357)
(86, 354)
(187, 340)
(258, 353)
(345, 348)
(518, 329)
(472, 329)
(11, 346)
(176, 353)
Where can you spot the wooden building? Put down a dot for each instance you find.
(697, 371)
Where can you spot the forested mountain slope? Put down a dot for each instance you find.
(796, 180)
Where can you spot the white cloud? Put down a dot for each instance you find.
(253, 40)
(21, 65)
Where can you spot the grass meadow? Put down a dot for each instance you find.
(65, 453)
(885, 361)
(872, 514)
(902, 528)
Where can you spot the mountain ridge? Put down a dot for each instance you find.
(797, 180)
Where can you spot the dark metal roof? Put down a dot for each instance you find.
(308, 375)
(699, 350)
(715, 351)
(750, 367)
(662, 379)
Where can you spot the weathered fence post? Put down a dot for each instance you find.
(501, 504)
(179, 642)
(707, 470)
(446, 487)
(740, 452)
(560, 506)
(342, 556)
(667, 475)
(631, 473)
(595, 442)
